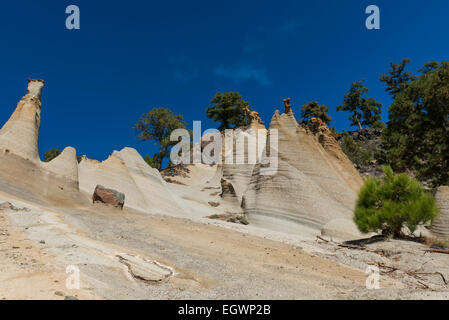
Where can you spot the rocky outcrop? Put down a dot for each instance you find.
(19, 155)
(108, 196)
(245, 147)
(112, 174)
(440, 227)
(21, 133)
(339, 159)
(143, 186)
(254, 118)
(64, 165)
(314, 183)
(158, 198)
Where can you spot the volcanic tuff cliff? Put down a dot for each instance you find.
(19, 157)
(62, 178)
(313, 185)
(440, 227)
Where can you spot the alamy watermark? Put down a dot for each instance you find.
(234, 146)
(373, 20)
(73, 21)
(373, 279)
(73, 280)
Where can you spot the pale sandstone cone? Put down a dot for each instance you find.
(440, 226)
(19, 157)
(21, 133)
(315, 183)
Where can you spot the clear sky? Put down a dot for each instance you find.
(131, 56)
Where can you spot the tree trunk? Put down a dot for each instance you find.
(360, 126)
(160, 157)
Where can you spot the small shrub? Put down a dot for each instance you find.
(152, 161)
(243, 220)
(51, 154)
(389, 204)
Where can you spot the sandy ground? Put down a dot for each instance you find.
(130, 255)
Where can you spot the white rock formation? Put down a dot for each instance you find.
(312, 186)
(157, 196)
(237, 176)
(64, 165)
(440, 226)
(343, 229)
(21, 133)
(315, 184)
(127, 172)
(19, 156)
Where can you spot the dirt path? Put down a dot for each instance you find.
(138, 256)
(27, 271)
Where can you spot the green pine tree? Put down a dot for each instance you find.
(152, 161)
(157, 125)
(417, 136)
(315, 110)
(51, 154)
(389, 204)
(365, 112)
(228, 109)
(354, 151)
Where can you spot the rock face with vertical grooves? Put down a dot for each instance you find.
(64, 165)
(157, 196)
(236, 176)
(112, 174)
(314, 184)
(440, 226)
(19, 155)
(125, 170)
(21, 133)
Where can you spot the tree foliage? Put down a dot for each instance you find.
(354, 151)
(397, 79)
(417, 137)
(152, 161)
(315, 110)
(389, 204)
(51, 154)
(157, 125)
(228, 109)
(365, 112)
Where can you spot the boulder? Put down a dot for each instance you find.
(109, 196)
(9, 206)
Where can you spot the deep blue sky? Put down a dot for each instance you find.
(131, 56)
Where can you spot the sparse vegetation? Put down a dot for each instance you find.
(354, 151)
(417, 136)
(152, 161)
(51, 154)
(157, 125)
(365, 112)
(315, 110)
(230, 217)
(228, 109)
